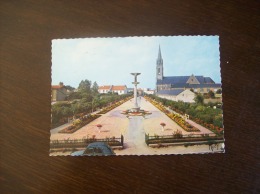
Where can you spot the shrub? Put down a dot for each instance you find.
(177, 134)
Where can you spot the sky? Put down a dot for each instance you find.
(109, 61)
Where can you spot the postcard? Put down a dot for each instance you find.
(155, 95)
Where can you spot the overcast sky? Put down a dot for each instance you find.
(109, 61)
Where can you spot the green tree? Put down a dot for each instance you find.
(211, 94)
(219, 91)
(200, 108)
(73, 96)
(199, 99)
(85, 86)
(86, 97)
(94, 88)
(70, 88)
(75, 108)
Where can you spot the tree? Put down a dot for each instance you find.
(95, 88)
(75, 108)
(199, 99)
(211, 94)
(86, 97)
(70, 88)
(85, 86)
(73, 96)
(219, 91)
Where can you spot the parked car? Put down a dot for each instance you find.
(95, 149)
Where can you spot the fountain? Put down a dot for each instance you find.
(135, 111)
(136, 108)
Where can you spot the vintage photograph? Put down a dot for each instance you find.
(136, 96)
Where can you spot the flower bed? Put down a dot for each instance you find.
(137, 113)
(182, 123)
(215, 129)
(79, 123)
(176, 118)
(211, 127)
(107, 109)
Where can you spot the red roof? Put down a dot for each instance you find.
(56, 86)
(118, 88)
(104, 87)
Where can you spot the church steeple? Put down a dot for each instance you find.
(159, 59)
(159, 66)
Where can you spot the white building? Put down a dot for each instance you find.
(113, 89)
(178, 95)
(148, 91)
(119, 89)
(104, 89)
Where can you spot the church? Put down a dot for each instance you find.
(181, 88)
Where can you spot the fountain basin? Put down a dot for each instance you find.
(136, 112)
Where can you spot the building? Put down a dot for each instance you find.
(58, 92)
(130, 90)
(140, 91)
(121, 89)
(104, 89)
(148, 91)
(178, 95)
(181, 87)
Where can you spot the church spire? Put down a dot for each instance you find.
(159, 66)
(159, 54)
(159, 59)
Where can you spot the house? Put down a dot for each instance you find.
(58, 92)
(148, 91)
(120, 89)
(178, 95)
(172, 85)
(104, 89)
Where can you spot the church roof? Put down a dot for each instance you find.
(208, 80)
(204, 80)
(173, 80)
(170, 92)
(183, 79)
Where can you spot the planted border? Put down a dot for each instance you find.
(79, 123)
(107, 109)
(176, 118)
